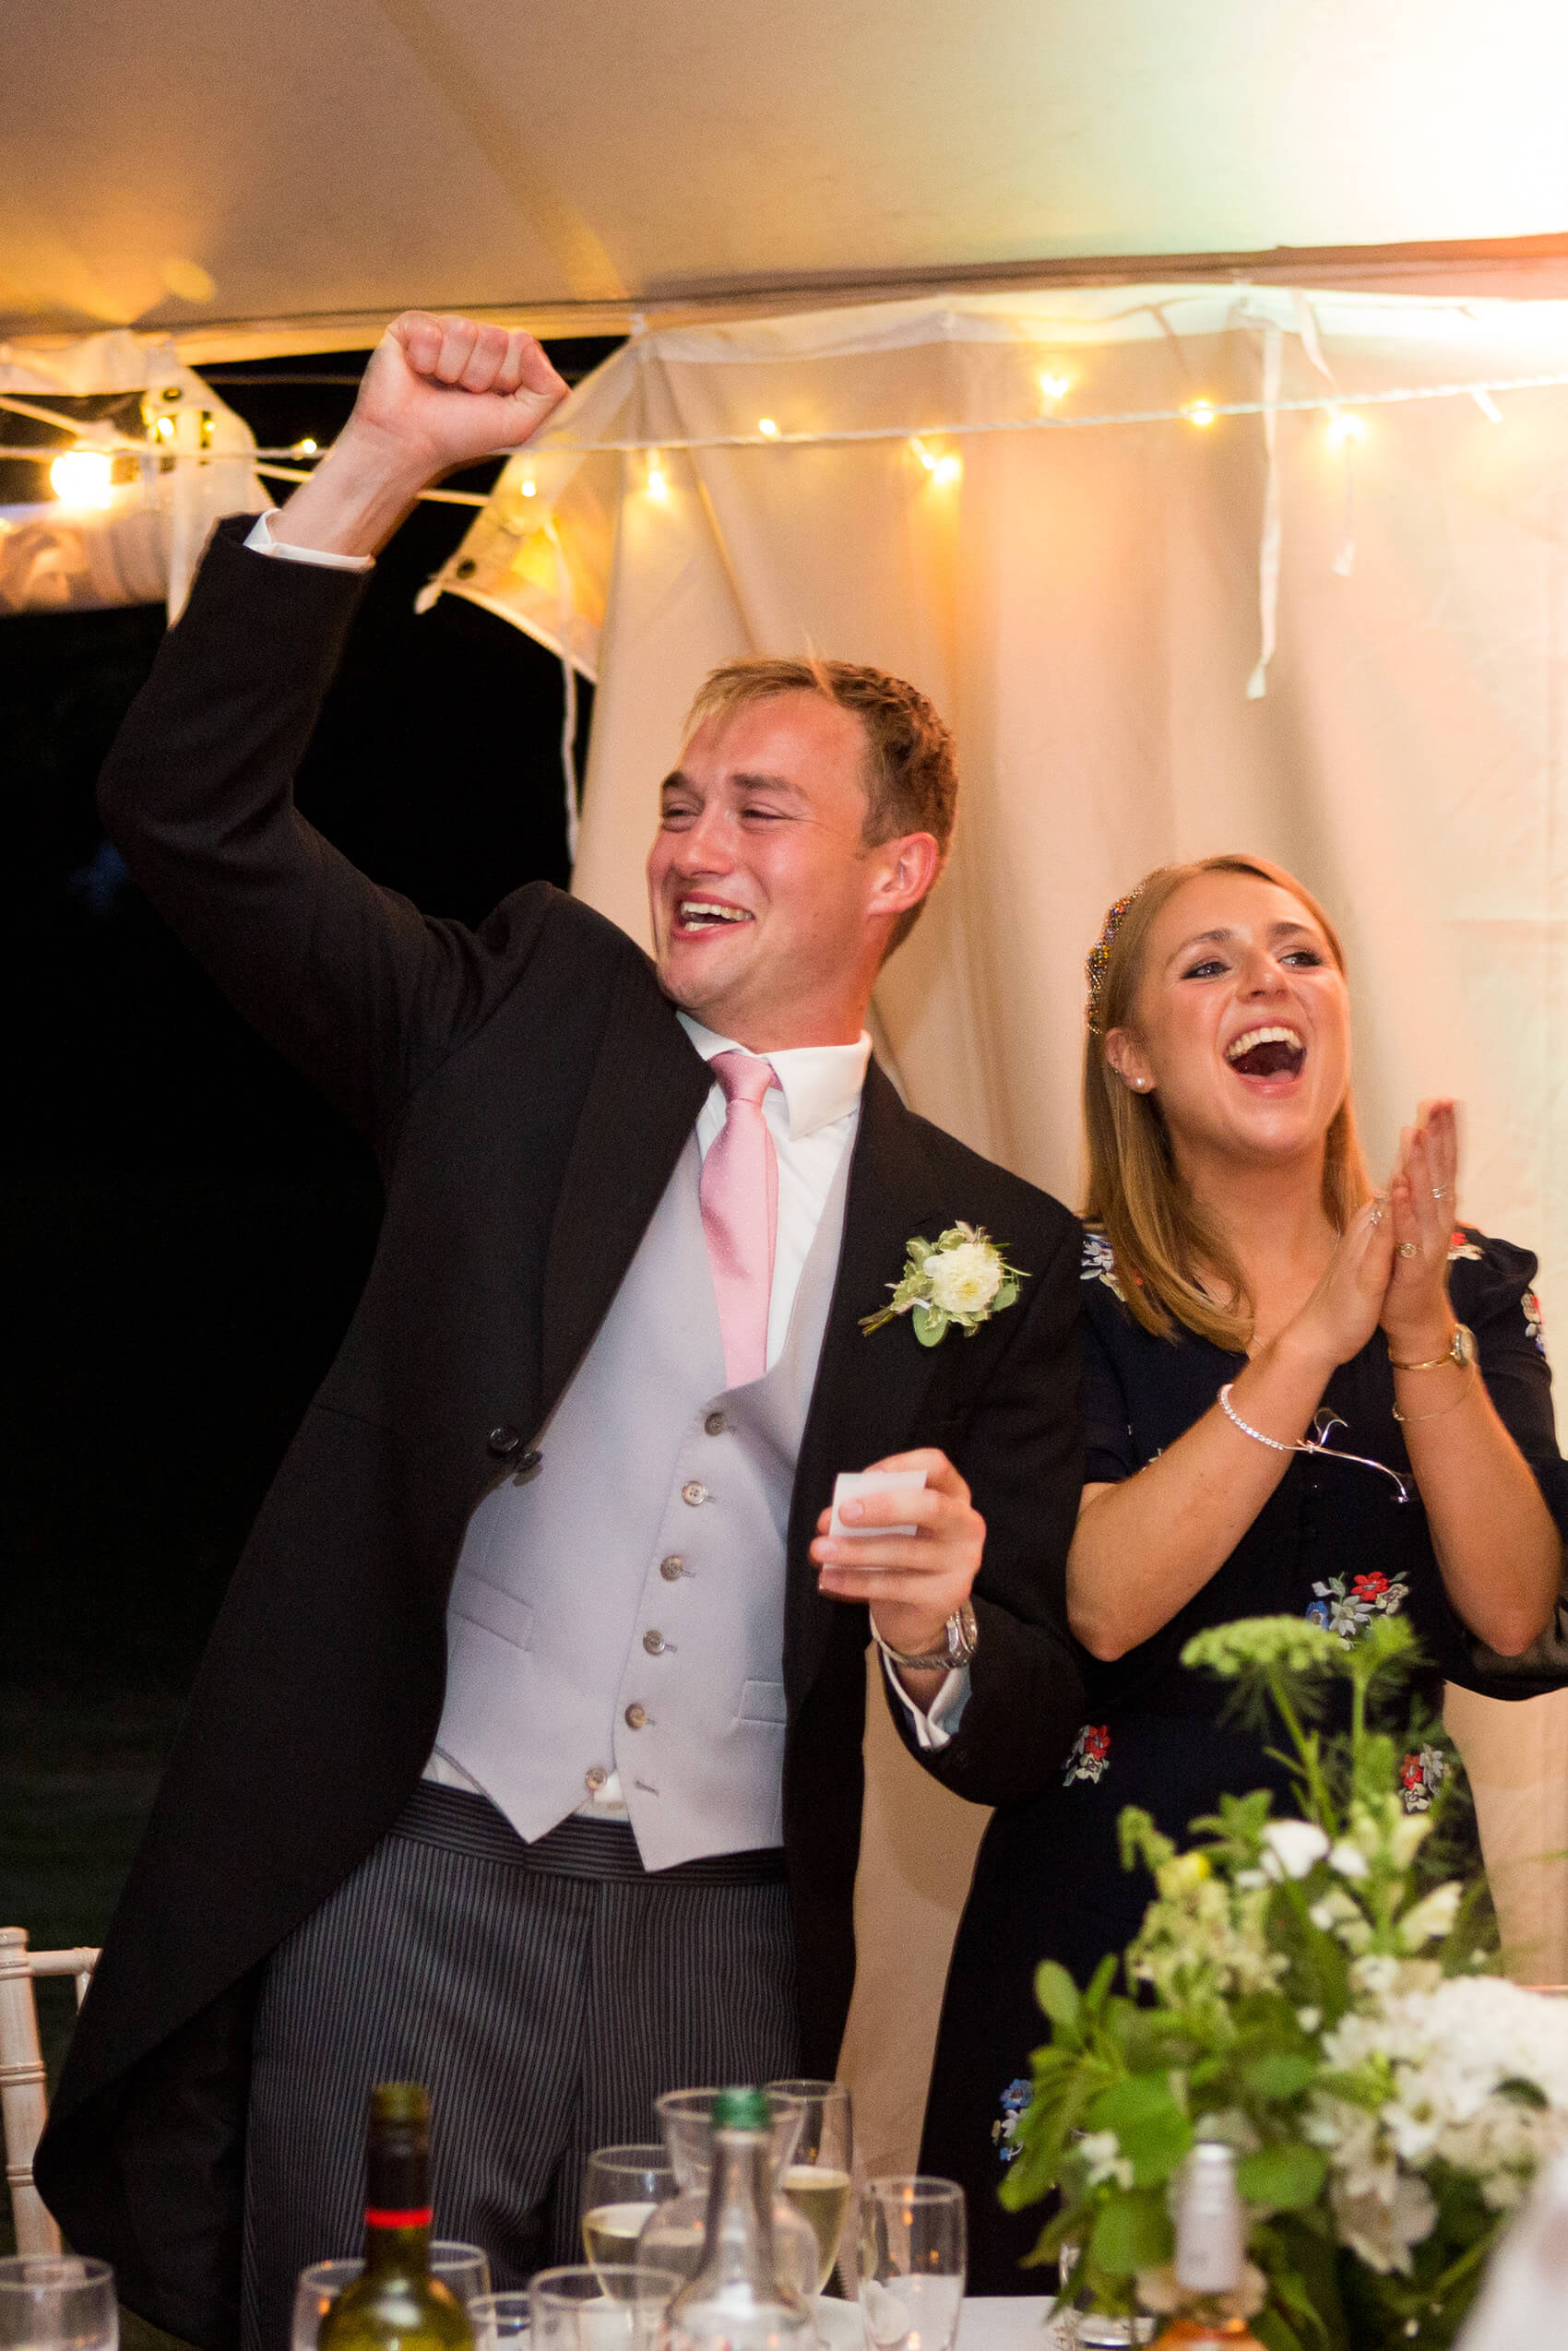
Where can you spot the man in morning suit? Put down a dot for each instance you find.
(525, 1758)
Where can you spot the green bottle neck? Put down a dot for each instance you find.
(400, 2246)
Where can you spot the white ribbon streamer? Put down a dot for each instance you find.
(1268, 546)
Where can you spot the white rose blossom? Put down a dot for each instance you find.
(965, 1279)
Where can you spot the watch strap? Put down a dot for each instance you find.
(963, 1639)
(1461, 1350)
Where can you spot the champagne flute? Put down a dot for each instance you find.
(57, 2302)
(817, 2179)
(622, 2187)
(912, 2256)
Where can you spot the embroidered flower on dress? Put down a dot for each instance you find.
(1091, 1754)
(1099, 1264)
(1533, 1322)
(1004, 2133)
(1461, 1245)
(1349, 1611)
(1420, 1776)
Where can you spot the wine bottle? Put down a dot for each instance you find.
(1211, 2281)
(738, 2298)
(396, 2305)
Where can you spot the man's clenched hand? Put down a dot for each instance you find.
(437, 392)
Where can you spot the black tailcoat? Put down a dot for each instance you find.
(527, 1091)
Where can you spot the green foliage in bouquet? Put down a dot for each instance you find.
(1308, 1994)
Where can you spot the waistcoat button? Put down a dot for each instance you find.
(504, 1440)
(636, 1717)
(694, 1492)
(673, 1568)
(594, 1778)
(654, 1643)
(715, 1424)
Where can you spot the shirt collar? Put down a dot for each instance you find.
(820, 1083)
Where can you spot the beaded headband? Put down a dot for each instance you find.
(1098, 956)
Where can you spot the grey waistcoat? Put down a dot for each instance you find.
(622, 1606)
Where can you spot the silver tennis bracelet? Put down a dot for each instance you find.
(1322, 1421)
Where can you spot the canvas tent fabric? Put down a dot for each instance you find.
(1086, 604)
(139, 540)
(256, 179)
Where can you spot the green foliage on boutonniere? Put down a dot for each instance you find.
(960, 1279)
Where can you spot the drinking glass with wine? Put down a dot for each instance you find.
(622, 2189)
(817, 2179)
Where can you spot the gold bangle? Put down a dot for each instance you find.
(1406, 1418)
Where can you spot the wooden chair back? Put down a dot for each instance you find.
(24, 2092)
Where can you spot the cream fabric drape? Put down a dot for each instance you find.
(1084, 604)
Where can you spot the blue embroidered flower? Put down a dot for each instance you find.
(1003, 2134)
(1318, 1612)
(1099, 1263)
(1533, 1324)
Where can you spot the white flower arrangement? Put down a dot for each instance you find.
(1304, 1991)
(959, 1280)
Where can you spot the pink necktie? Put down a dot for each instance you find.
(739, 1191)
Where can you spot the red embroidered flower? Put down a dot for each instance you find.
(1097, 1742)
(1370, 1587)
(1411, 1774)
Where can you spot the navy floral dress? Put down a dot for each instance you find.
(1333, 1543)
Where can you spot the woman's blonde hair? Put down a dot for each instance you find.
(1157, 1234)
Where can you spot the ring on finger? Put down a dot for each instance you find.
(1440, 1191)
(1406, 1249)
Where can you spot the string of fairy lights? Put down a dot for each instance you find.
(83, 474)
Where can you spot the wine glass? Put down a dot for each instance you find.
(464, 2270)
(622, 2189)
(57, 2302)
(817, 2179)
(685, 2116)
(500, 2322)
(609, 2306)
(912, 2257)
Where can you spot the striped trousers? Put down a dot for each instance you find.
(546, 1993)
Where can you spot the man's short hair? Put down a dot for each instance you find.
(911, 769)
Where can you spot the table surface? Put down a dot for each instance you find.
(989, 2323)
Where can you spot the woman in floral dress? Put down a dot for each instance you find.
(1246, 1296)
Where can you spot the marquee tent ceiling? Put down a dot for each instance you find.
(296, 176)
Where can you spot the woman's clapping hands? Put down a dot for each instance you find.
(1391, 1266)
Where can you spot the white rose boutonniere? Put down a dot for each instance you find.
(960, 1279)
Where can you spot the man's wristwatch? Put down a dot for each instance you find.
(1462, 1351)
(962, 1636)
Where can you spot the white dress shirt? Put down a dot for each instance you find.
(811, 1114)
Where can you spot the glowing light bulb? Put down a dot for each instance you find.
(924, 456)
(1054, 388)
(1199, 412)
(528, 486)
(306, 449)
(82, 478)
(1344, 425)
(948, 470)
(658, 485)
(767, 428)
(164, 427)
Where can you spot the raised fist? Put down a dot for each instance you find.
(443, 392)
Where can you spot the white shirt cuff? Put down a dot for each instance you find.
(936, 1725)
(262, 543)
